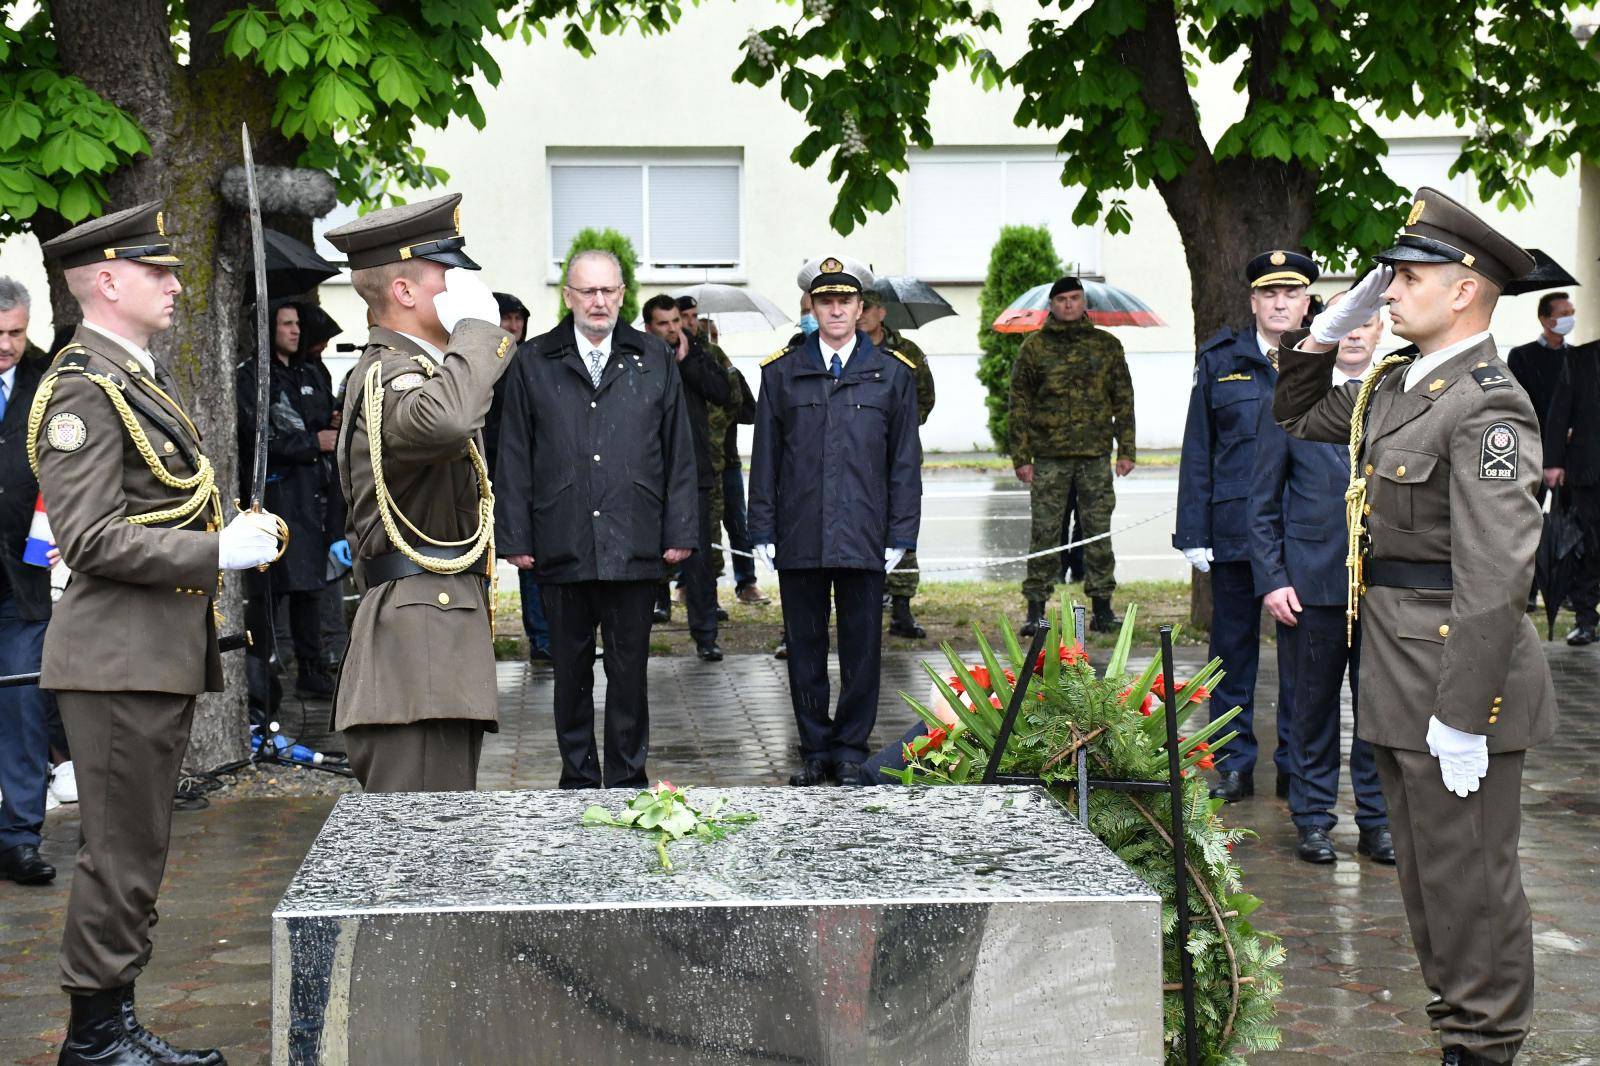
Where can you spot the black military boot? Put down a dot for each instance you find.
(97, 1037)
(663, 609)
(902, 623)
(1102, 620)
(158, 1049)
(1035, 616)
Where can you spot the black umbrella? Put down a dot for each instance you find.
(909, 302)
(292, 268)
(1560, 545)
(1546, 274)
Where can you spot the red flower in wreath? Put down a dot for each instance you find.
(1145, 707)
(1160, 689)
(936, 739)
(1070, 655)
(980, 677)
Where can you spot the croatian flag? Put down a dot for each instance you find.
(40, 540)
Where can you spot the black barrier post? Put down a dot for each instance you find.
(1025, 674)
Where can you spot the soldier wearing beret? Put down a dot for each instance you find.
(1233, 379)
(137, 517)
(417, 689)
(902, 583)
(835, 502)
(1444, 524)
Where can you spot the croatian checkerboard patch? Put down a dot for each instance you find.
(66, 432)
(1499, 459)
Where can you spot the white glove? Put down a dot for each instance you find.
(251, 539)
(465, 296)
(768, 554)
(1359, 304)
(892, 557)
(1199, 558)
(1463, 757)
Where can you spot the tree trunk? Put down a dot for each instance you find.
(191, 114)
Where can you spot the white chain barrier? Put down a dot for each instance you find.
(959, 565)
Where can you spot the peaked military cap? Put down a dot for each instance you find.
(428, 230)
(1440, 230)
(835, 274)
(1279, 267)
(137, 233)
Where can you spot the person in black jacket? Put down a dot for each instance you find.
(595, 493)
(703, 383)
(835, 503)
(1572, 465)
(24, 609)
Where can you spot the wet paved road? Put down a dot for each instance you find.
(1352, 992)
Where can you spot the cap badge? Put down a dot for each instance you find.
(832, 266)
(455, 219)
(161, 227)
(1416, 213)
(1278, 259)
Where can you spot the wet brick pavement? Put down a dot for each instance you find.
(1352, 991)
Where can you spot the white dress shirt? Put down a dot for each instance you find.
(844, 353)
(133, 349)
(1419, 369)
(585, 345)
(431, 350)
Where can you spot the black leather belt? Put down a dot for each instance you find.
(393, 566)
(1393, 573)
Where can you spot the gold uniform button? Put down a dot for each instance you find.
(1369, 468)
(1444, 631)
(1400, 471)
(1366, 508)
(1493, 719)
(444, 599)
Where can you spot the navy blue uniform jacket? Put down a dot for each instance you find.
(1298, 535)
(1233, 382)
(836, 472)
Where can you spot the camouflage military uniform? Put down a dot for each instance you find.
(900, 582)
(1070, 395)
(721, 420)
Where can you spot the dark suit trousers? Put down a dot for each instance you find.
(1236, 639)
(1462, 886)
(699, 584)
(1585, 595)
(622, 611)
(127, 748)
(858, 598)
(24, 730)
(1320, 658)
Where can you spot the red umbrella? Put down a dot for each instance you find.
(1108, 306)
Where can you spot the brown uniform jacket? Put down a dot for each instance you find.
(1451, 468)
(420, 647)
(137, 615)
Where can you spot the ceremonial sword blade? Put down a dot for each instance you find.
(258, 248)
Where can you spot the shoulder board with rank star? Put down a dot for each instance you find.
(1489, 377)
(775, 356)
(904, 358)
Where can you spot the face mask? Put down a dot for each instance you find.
(1564, 325)
(809, 324)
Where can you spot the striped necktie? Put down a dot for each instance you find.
(597, 364)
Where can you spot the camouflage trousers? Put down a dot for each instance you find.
(1053, 482)
(900, 583)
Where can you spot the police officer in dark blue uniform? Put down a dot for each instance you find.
(1234, 378)
(835, 502)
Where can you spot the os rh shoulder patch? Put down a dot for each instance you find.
(408, 381)
(1498, 461)
(66, 432)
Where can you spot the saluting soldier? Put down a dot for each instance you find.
(417, 690)
(1446, 522)
(902, 584)
(136, 515)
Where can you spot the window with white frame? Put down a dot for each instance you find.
(682, 213)
(957, 200)
(1415, 161)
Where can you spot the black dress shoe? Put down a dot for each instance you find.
(157, 1048)
(812, 772)
(722, 614)
(314, 684)
(782, 651)
(1233, 786)
(1377, 845)
(1581, 635)
(847, 774)
(663, 612)
(541, 657)
(1316, 847)
(1456, 1055)
(1282, 786)
(709, 652)
(23, 865)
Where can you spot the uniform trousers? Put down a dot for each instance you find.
(699, 586)
(735, 520)
(1462, 886)
(433, 755)
(622, 611)
(1236, 640)
(1054, 480)
(24, 730)
(857, 597)
(128, 749)
(1320, 659)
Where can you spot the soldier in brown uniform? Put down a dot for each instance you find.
(417, 689)
(1445, 523)
(136, 515)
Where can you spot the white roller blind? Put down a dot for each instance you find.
(694, 215)
(1034, 196)
(954, 214)
(600, 196)
(1413, 162)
